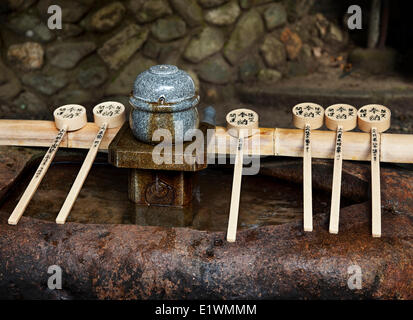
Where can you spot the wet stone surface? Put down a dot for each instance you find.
(129, 261)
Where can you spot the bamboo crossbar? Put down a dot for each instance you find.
(396, 148)
(36, 133)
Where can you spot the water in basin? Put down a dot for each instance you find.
(104, 199)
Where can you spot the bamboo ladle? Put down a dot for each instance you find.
(375, 118)
(340, 118)
(108, 114)
(69, 117)
(240, 124)
(307, 116)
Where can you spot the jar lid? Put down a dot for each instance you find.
(164, 84)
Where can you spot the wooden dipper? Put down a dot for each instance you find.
(340, 118)
(69, 117)
(108, 114)
(375, 118)
(308, 116)
(240, 124)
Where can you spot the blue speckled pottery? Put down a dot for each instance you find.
(163, 97)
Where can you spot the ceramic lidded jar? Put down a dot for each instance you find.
(163, 97)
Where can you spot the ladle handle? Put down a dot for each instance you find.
(307, 184)
(236, 190)
(37, 178)
(336, 190)
(81, 176)
(375, 183)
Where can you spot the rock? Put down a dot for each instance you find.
(152, 48)
(117, 50)
(66, 55)
(30, 26)
(92, 76)
(9, 84)
(189, 10)
(305, 63)
(273, 51)
(152, 10)
(208, 42)
(317, 51)
(292, 43)
(249, 69)
(275, 16)
(194, 77)
(328, 31)
(246, 4)
(224, 15)
(89, 2)
(134, 6)
(215, 70)
(334, 33)
(20, 5)
(321, 24)
(171, 52)
(211, 94)
(211, 3)
(71, 95)
(261, 2)
(169, 28)
(298, 8)
(306, 52)
(26, 56)
(123, 83)
(248, 30)
(72, 11)
(307, 30)
(269, 75)
(31, 104)
(316, 42)
(107, 17)
(46, 84)
(297, 69)
(375, 61)
(68, 30)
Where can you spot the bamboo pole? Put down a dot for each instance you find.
(39, 133)
(395, 148)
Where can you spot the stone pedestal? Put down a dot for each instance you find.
(166, 184)
(158, 187)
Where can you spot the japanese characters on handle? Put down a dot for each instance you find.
(240, 124)
(307, 116)
(69, 117)
(108, 114)
(375, 118)
(340, 118)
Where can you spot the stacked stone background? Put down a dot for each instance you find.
(103, 45)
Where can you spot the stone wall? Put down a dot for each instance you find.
(103, 45)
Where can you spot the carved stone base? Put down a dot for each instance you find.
(158, 187)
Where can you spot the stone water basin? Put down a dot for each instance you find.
(104, 199)
(111, 248)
